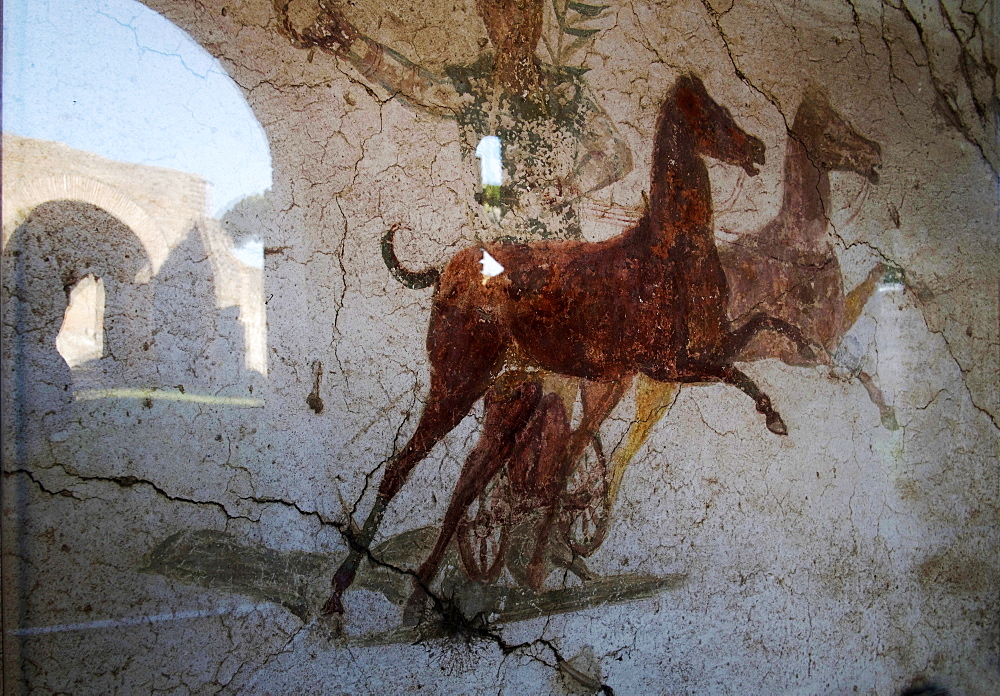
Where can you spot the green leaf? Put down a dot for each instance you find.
(585, 33)
(588, 10)
(576, 45)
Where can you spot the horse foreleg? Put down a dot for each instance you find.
(730, 375)
(652, 400)
(737, 340)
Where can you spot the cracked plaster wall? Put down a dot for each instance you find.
(845, 557)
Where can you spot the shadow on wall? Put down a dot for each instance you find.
(299, 581)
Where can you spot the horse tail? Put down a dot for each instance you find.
(415, 280)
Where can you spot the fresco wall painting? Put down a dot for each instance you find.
(502, 236)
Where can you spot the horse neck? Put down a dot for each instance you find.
(806, 197)
(680, 195)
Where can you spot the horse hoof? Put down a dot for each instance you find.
(342, 579)
(333, 606)
(416, 609)
(889, 419)
(776, 425)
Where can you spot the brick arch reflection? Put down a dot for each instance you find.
(59, 244)
(33, 192)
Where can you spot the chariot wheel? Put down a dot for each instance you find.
(586, 509)
(484, 532)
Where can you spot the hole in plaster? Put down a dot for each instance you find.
(491, 170)
(491, 267)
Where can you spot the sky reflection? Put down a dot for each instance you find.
(115, 78)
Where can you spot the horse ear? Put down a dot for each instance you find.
(694, 82)
(816, 93)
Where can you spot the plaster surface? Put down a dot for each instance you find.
(174, 511)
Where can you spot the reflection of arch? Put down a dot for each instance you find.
(160, 207)
(58, 244)
(19, 204)
(81, 337)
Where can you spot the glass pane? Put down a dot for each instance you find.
(521, 346)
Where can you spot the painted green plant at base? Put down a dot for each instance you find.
(300, 580)
(570, 29)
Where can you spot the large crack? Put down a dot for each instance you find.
(716, 19)
(449, 620)
(947, 98)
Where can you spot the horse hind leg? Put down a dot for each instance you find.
(508, 405)
(440, 416)
(737, 340)
(458, 379)
(598, 399)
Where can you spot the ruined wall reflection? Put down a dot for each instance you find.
(97, 310)
(181, 501)
(163, 212)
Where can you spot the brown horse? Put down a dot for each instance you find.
(789, 268)
(651, 301)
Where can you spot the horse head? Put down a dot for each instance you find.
(832, 144)
(716, 133)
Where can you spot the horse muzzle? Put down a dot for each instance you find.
(756, 157)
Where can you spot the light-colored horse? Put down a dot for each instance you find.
(788, 268)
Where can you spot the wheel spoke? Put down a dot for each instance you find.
(587, 512)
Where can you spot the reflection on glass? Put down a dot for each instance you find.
(81, 337)
(115, 78)
(108, 104)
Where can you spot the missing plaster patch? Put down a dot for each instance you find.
(491, 170)
(491, 267)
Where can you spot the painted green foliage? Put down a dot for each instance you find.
(574, 25)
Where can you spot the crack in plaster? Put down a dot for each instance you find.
(946, 97)
(457, 626)
(716, 21)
